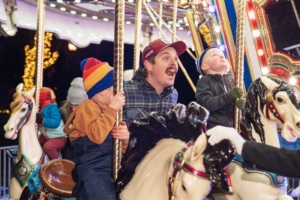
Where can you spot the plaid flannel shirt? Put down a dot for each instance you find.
(142, 99)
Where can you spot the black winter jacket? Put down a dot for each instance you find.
(213, 92)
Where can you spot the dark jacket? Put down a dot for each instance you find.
(282, 161)
(212, 92)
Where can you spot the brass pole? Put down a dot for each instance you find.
(118, 75)
(195, 34)
(160, 21)
(137, 45)
(39, 50)
(175, 4)
(240, 50)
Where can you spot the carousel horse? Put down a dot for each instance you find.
(269, 102)
(169, 151)
(31, 157)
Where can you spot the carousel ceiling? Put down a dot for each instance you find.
(84, 22)
(284, 25)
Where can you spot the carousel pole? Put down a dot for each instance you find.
(138, 25)
(118, 75)
(240, 48)
(175, 4)
(40, 49)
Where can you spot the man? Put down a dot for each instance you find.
(150, 90)
(152, 87)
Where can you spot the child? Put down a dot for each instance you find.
(50, 123)
(89, 129)
(76, 95)
(215, 89)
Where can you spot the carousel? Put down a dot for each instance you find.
(261, 40)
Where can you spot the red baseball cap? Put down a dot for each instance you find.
(158, 45)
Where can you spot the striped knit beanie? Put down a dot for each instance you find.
(97, 76)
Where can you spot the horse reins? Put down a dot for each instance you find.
(178, 164)
(271, 107)
(25, 118)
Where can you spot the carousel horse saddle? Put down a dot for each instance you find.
(276, 180)
(56, 176)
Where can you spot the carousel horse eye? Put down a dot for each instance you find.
(23, 109)
(280, 99)
(183, 187)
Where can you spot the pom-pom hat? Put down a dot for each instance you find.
(97, 76)
(76, 92)
(200, 59)
(47, 93)
(158, 45)
(47, 96)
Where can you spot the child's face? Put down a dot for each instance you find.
(214, 62)
(104, 96)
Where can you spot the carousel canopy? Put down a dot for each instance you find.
(86, 22)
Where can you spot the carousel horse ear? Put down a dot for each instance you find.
(19, 87)
(31, 91)
(269, 83)
(198, 147)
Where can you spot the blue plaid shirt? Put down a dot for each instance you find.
(142, 99)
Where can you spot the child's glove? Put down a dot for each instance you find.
(39, 118)
(240, 103)
(236, 92)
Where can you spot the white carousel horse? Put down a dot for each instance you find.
(270, 102)
(21, 125)
(152, 176)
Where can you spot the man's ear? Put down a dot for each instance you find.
(148, 65)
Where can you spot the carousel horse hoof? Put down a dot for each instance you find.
(56, 176)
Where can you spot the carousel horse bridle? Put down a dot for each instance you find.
(179, 164)
(17, 104)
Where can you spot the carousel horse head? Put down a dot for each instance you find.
(21, 107)
(274, 100)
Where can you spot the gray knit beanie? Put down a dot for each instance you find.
(76, 92)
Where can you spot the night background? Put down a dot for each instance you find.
(59, 75)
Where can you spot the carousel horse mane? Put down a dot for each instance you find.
(180, 122)
(256, 98)
(147, 132)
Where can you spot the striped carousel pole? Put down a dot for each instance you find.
(240, 50)
(138, 25)
(118, 75)
(40, 49)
